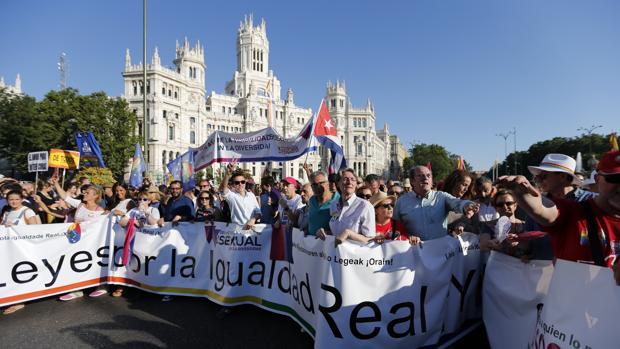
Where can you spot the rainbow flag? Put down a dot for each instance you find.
(74, 233)
(460, 163)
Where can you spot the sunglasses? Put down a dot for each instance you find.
(145, 199)
(611, 178)
(366, 196)
(502, 204)
(238, 182)
(204, 199)
(204, 186)
(387, 206)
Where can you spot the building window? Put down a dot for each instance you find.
(235, 111)
(176, 95)
(164, 114)
(192, 137)
(171, 132)
(229, 110)
(333, 102)
(192, 122)
(139, 128)
(135, 88)
(148, 87)
(163, 159)
(169, 93)
(223, 110)
(176, 116)
(342, 103)
(363, 122)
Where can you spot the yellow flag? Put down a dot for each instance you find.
(613, 141)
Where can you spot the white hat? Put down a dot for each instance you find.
(556, 163)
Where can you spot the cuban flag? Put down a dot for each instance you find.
(130, 238)
(137, 168)
(325, 133)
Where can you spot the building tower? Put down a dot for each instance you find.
(337, 103)
(190, 63)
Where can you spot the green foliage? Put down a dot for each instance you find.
(442, 161)
(27, 125)
(97, 175)
(562, 145)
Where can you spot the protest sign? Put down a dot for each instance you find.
(37, 161)
(512, 291)
(66, 159)
(580, 310)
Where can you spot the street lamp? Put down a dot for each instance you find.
(592, 162)
(505, 137)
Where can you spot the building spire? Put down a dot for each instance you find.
(127, 59)
(18, 83)
(156, 61)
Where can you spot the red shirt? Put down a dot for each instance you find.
(386, 230)
(569, 233)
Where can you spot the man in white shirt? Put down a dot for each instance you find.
(244, 209)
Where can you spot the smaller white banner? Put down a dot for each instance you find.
(581, 309)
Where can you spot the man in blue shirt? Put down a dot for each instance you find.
(179, 207)
(424, 211)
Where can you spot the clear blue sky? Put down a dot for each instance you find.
(454, 73)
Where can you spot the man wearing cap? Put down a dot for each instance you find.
(424, 211)
(290, 201)
(580, 231)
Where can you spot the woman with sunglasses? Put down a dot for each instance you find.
(386, 226)
(206, 211)
(144, 215)
(364, 192)
(506, 205)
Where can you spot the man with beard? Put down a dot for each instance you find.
(580, 231)
(424, 211)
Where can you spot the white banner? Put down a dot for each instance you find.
(365, 296)
(261, 145)
(581, 309)
(511, 292)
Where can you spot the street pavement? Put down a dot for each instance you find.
(142, 320)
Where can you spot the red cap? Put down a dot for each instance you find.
(290, 180)
(609, 163)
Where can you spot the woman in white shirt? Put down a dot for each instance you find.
(85, 210)
(17, 215)
(122, 201)
(352, 217)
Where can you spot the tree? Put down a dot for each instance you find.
(442, 162)
(27, 125)
(23, 130)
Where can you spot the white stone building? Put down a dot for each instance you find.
(15, 89)
(182, 115)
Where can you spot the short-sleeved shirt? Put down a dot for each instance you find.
(293, 205)
(355, 214)
(569, 233)
(242, 208)
(17, 217)
(392, 230)
(141, 216)
(426, 217)
(82, 214)
(319, 216)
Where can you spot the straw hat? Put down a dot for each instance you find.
(380, 197)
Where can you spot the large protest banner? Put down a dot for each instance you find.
(512, 291)
(390, 295)
(580, 310)
(262, 145)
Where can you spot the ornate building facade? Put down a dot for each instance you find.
(180, 114)
(14, 89)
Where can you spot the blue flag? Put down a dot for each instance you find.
(90, 154)
(137, 168)
(182, 169)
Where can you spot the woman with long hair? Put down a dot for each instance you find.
(206, 211)
(122, 200)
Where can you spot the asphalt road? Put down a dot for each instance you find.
(142, 320)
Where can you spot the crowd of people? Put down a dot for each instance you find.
(569, 221)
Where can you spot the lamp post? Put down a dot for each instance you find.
(145, 126)
(589, 130)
